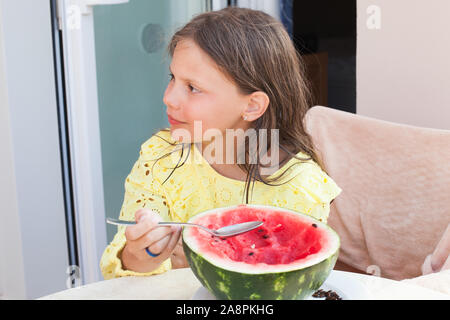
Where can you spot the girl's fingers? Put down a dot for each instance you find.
(179, 262)
(151, 237)
(178, 248)
(165, 246)
(146, 221)
(146, 213)
(140, 213)
(178, 258)
(160, 245)
(174, 240)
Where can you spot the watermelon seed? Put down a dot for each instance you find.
(314, 225)
(265, 236)
(260, 230)
(250, 254)
(328, 295)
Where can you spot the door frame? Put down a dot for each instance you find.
(76, 22)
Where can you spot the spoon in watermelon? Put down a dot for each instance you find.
(224, 232)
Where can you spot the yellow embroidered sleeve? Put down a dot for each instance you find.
(314, 190)
(142, 190)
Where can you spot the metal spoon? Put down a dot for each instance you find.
(224, 232)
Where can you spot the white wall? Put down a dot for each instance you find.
(12, 281)
(218, 4)
(271, 7)
(33, 248)
(403, 68)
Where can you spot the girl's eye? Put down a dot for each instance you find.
(190, 87)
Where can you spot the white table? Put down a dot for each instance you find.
(181, 284)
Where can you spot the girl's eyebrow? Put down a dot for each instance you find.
(188, 80)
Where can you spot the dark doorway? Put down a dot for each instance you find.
(324, 32)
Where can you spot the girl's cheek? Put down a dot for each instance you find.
(192, 115)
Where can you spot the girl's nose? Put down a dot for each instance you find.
(170, 100)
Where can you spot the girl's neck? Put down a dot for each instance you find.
(217, 158)
(215, 155)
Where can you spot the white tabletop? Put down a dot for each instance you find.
(181, 284)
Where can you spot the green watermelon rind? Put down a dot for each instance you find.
(230, 285)
(292, 284)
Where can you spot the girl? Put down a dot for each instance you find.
(233, 69)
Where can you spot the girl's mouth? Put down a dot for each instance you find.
(173, 121)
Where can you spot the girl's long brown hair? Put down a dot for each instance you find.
(255, 52)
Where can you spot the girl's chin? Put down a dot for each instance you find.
(187, 134)
(180, 135)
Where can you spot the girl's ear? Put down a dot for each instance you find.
(257, 105)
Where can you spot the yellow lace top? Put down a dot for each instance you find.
(196, 187)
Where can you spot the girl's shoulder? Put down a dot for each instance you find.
(158, 142)
(162, 148)
(310, 177)
(161, 153)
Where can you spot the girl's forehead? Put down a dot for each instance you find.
(191, 64)
(190, 55)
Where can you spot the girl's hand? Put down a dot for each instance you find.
(147, 234)
(178, 258)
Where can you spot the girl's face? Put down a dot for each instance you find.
(199, 92)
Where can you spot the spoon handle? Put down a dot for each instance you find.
(119, 222)
(170, 223)
(129, 223)
(224, 232)
(187, 225)
(162, 223)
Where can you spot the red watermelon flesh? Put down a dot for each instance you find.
(283, 238)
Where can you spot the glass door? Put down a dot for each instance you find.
(116, 67)
(132, 74)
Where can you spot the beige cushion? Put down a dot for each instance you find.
(395, 178)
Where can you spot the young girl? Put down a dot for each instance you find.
(233, 69)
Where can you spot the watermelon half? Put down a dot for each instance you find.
(288, 257)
